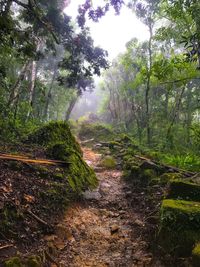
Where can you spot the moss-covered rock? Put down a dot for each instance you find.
(179, 228)
(108, 162)
(52, 133)
(96, 131)
(196, 255)
(80, 175)
(165, 178)
(180, 189)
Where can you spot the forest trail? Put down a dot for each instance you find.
(103, 230)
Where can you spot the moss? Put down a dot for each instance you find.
(108, 162)
(14, 262)
(54, 132)
(58, 176)
(96, 131)
(58, 195)
(114, 145)
(179, 228)
(165, 178)
(155, 181)
(59, 151)
(9, 219)
(184, 190)
(196, 255)
(33, 261)
(80, 175)
(146, 175)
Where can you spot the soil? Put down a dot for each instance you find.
(112, 226)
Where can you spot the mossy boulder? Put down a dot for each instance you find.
(181, 189)
(80, 175)
(179, 226)
(98, 132)
(52, 133)
(108, 162)
(196, 255)
(167, 177)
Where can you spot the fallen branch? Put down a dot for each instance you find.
(168, 168)
(37, 218)
(6, 246)
(28, 160)
(87, 141)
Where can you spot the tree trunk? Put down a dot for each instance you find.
(175, 114)
(32, 86)
(148, 86)
(71, 106)
(46, 109)
(15, 89)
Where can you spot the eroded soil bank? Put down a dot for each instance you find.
(105, 228)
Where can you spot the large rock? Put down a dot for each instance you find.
(179, 227)
(181, 189)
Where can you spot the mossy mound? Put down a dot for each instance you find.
(179, 229)
(80, 176)
(108, 162)
(54, 132)
(185, 190)
(98, 132)
(196, 255)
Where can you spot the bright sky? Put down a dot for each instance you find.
(112, 32)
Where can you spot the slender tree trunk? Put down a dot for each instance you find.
(188, 115)
(175, 114)
(148, 86)
(32, 86)
(15, 89)
(71, 106)
(46, 109)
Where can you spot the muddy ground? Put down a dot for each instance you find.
(109, 227)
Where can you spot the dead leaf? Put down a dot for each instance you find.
(29, 198)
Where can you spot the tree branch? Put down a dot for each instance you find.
(180, 80)
(45, 24)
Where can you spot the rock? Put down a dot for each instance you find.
(92, 195)
(179, 229)
(108, 162)
(186, 190)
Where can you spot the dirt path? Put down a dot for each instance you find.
(104, 231)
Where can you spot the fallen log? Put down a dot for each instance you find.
(153, 164)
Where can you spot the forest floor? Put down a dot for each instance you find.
(108, 227)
